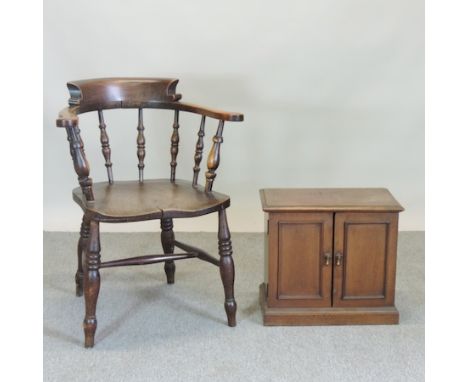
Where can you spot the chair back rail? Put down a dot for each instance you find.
(110, 93)
(138, 93)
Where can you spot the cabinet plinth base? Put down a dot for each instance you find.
(326, 316)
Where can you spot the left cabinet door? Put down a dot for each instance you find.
(300, 265)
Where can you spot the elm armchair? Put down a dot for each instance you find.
(143, 199)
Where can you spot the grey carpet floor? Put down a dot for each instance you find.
(151, 331)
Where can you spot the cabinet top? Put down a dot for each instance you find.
(328, 199)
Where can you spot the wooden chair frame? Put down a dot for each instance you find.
(143, 93)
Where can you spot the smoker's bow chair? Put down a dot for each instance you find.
(130, 201)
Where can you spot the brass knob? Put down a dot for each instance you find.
(338, 259)
(327, 258)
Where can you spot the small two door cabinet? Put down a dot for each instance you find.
(330, 256)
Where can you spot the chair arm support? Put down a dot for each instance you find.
(68, 119)
(213, 159)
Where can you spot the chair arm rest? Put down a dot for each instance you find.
(213, 113)
(68, 117)
(192, 108)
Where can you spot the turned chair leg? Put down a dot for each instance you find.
(82, 242)
(226, 267)
(167, 241)
(92, 282)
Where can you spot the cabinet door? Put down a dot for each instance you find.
(364, 259)
(300, 259)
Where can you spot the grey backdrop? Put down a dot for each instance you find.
(332, 91)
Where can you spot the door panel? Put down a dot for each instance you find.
(298, 274)
(367, 244)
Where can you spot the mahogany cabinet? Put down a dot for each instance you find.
(330, 256)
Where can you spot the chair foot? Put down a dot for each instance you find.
(89, 326)
(169, 268)
(167, 241)
(92, 282)
(231, 307)
(226, 267)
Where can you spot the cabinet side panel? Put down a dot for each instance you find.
(266, 249)
(299, 273)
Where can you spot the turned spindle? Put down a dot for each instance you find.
(174, 145)
(198, 151)
(80, 162)
(140, 145)
(214, 157)
(106, 151)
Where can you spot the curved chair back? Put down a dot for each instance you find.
(137, 93)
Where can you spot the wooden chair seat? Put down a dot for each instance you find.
(153, 199)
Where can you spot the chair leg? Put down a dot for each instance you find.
(82, 242)
(226, 267)
(167, 241)
(92, 282)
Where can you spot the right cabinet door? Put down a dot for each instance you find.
(364, 259)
